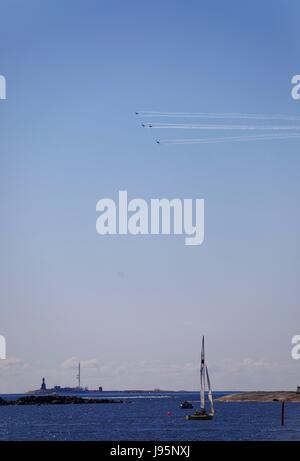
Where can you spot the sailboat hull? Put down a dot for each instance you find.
(204, 417)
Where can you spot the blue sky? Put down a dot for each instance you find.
(133, 309)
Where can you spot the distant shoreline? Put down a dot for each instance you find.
(55, 400)
(109, 391)
(226, 396)
(261, 396)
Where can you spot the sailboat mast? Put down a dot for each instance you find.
(79, 376)
(202, 376)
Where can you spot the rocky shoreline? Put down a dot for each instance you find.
(263, 396)
(55, 400)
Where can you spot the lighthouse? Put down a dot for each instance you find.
(43, 385)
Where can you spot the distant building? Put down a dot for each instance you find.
(298, 390)
(65, 390)
(43, 385)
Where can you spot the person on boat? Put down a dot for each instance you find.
(200, 412)
(186, 404)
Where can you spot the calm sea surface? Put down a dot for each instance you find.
(148, 417)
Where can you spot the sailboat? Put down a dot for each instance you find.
(204, 377)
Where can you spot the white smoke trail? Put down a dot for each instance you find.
(219, 127)
(228, 139)
(217, 115)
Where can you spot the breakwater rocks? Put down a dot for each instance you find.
(267, 396)
(54, 400)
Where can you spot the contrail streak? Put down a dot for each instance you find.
(188, 126)
(217, 115)
(228, 139)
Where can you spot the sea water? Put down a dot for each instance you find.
(149, 416)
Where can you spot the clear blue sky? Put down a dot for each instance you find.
(76, 71)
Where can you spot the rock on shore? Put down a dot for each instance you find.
(54, 400)
(263, 396)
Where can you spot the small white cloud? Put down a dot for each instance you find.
(13, 364)
(72, 363)
(245, 366)
(90, 363)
